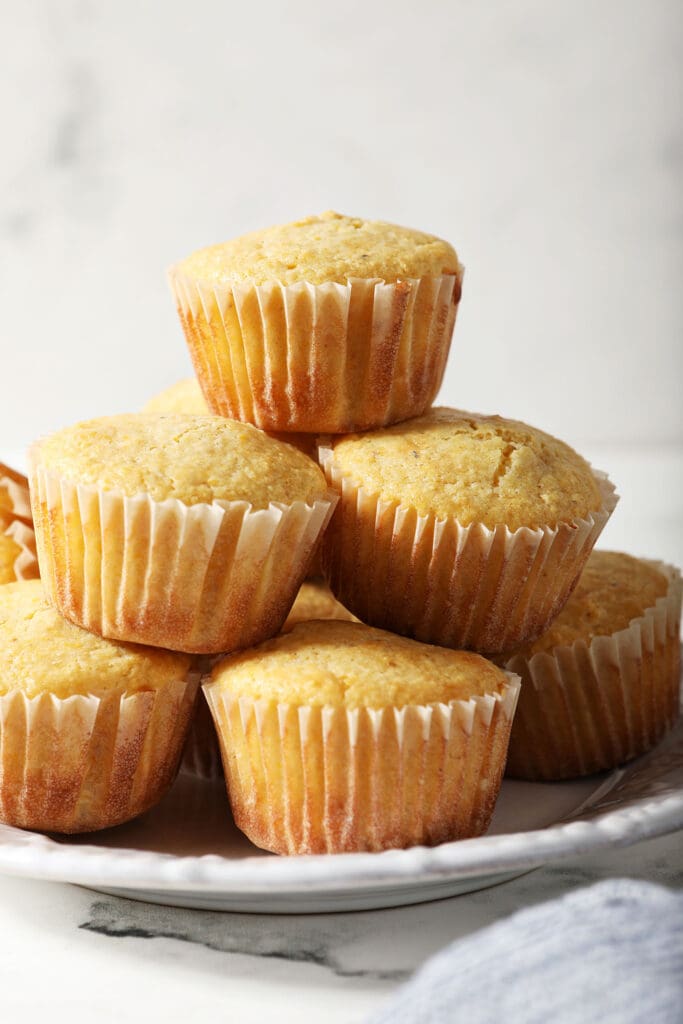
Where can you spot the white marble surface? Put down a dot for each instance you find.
(71, 955)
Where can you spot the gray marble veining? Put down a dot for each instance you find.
(380, 945)
(312, 940)
(137, 962)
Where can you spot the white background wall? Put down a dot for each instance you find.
(544, 140)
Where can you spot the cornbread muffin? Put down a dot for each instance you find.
(315, 600)
(42, 652)
(18, 559)
(613, 589)
(332, 663)
(460, 529)
(15, 502)
(196, 459)
(202, 754)
(330, 247)
(90, 731)
(477, 469)
(331, 323)
(178, 531)
(601, 685)
(321, 730)
(184, 397)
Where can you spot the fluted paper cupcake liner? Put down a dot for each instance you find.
(327, 780)
(14, 494)
(328, 357)
(467, 587)
(26, 563)
(88, 762)
(201, 578)
(308, 445)
(587, 707)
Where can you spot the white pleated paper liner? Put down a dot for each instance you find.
(25, 564)
(325, 357)
(14, 494)
(330, 780)
(89, 762)
(204, 578)
(588, 707)
(466, 587)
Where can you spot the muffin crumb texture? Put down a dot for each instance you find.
(192, 458)
(613, 589)
(348, 664)
(329, 247)
(40, 652)
(475, 468)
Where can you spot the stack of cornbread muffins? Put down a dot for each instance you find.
(463, 622)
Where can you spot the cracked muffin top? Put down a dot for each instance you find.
(192, 458)
(329, 247)
(477, 469)
(348, 664)
(41, 652)
(614, 588)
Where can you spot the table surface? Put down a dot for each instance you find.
(132, 961)
(129, 961)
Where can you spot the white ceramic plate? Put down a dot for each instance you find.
(188, 853)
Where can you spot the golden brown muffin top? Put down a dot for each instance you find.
(478, 469)
(184, 397)
(329, 247)
(613, 589)
(348, 664)
(315, 601)
(40, 652)
(9, 552)
(192, 458)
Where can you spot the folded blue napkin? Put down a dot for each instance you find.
(611, 953)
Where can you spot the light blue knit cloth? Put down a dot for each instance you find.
(608, 954)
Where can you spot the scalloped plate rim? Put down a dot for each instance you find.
(33, 855)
